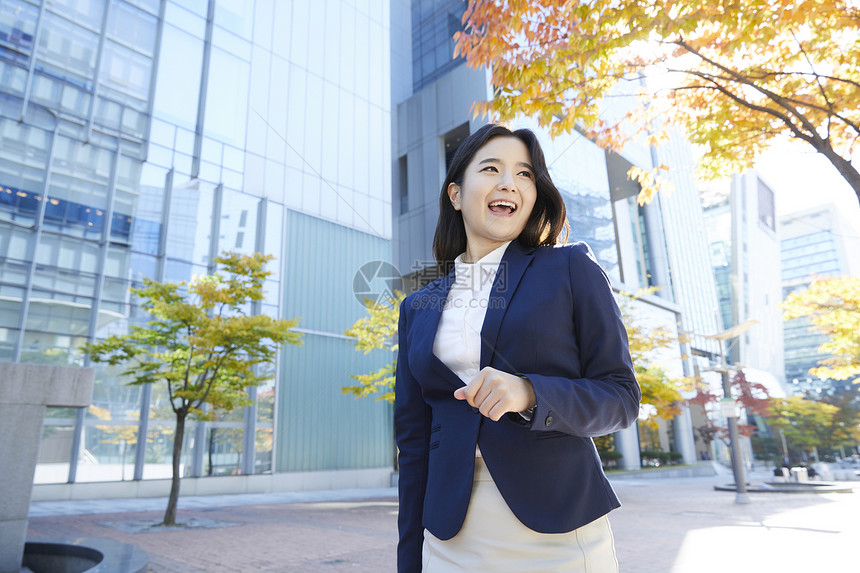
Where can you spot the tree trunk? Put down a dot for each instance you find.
(211, 447)
(846, 169)
(170, 514)
(122, 465)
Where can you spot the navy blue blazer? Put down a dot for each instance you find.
(551, 317)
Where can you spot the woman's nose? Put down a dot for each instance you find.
(507, 182)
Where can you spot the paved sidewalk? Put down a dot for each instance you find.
(665, 526)
(684, 526)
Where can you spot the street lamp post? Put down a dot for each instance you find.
(734, 439)
(741, 495)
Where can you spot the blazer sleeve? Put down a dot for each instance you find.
(412, 418)
(606, 398)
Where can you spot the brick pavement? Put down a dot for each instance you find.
(356, 535)
(665, 526)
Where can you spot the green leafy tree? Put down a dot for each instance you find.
(377, 331)
(833, 307)
(845, 428)
(735, 75)
(201, 343)
(806, 423)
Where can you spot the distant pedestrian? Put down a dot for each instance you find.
(508, 365)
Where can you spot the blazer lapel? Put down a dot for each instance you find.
(427, 323)
(511, 270)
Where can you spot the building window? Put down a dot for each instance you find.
(403, 179)
(451, 142)
(631, 237)
(17, 28)
(766, 214)
(434, 23)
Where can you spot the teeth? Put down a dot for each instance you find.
(513, 206)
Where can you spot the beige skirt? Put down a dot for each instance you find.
(494, 540)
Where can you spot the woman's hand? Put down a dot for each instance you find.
(495, 393)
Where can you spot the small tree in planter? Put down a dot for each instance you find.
(201, 343)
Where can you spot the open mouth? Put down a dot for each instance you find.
(503, 207)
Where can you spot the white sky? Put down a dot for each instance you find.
(802, 178)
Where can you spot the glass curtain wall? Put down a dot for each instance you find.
(121, 158)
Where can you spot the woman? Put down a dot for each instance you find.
(507, 366)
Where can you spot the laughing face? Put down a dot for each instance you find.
(497, 195)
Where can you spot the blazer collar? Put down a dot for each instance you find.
(514, 263)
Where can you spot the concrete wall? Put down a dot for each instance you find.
(25, 391)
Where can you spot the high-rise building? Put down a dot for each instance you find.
(816, 244)
(742, 230)
(139, 139)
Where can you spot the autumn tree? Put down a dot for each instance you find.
(202, 343)
(753, 397)
(660, 390)
(733, 76)
(833, 308)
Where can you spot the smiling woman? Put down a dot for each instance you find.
(508, 365)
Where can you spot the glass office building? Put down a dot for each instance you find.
(815, 244)
(139, 139)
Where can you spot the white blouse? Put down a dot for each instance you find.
(458, 337)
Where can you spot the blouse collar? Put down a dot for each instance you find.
(480, 274)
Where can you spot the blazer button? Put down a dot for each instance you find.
(548, 421)
(475, 410)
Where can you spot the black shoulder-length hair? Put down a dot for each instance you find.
(549, 215)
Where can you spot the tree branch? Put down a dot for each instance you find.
(170, 396)
(188, 361)
(202, 399)
(830, 111)
(775, 97)
(814, 138)
(763, 109)
(763, 74)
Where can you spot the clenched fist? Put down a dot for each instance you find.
(495, 393)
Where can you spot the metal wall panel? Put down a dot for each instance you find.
(318, 427)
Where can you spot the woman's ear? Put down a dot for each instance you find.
(454, 195)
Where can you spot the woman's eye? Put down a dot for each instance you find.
(526, 174)
(488, 167)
